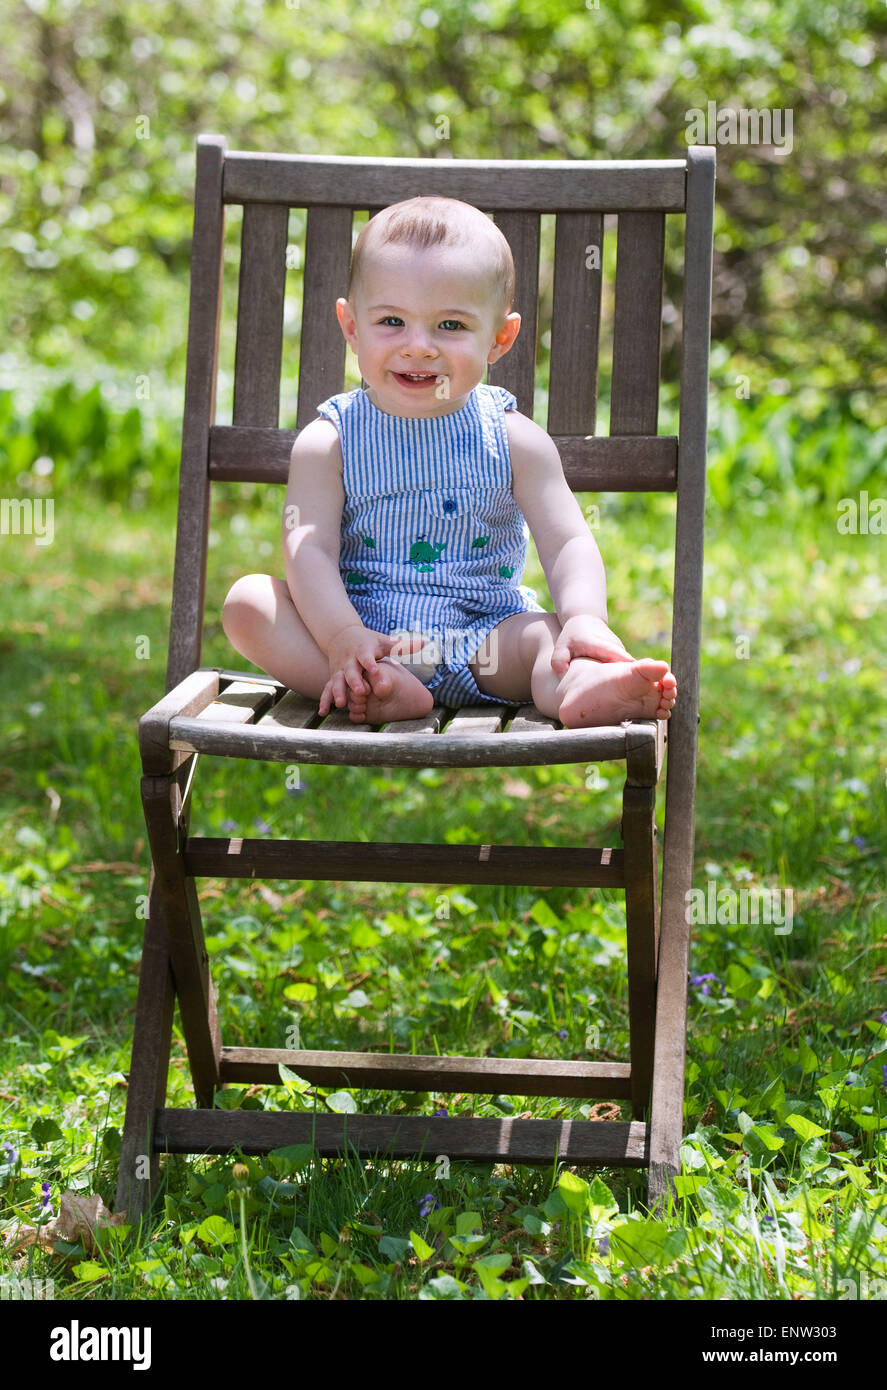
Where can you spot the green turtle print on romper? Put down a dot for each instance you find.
(432, 539)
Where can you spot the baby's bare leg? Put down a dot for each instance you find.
(261, 621)
(514, 662)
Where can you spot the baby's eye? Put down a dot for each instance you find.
(452, 324)
(393, 320)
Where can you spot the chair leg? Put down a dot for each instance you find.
(180, 912)
(642, 930)
(138, 1175)
(667, 1110)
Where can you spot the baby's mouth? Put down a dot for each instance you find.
(417, 378)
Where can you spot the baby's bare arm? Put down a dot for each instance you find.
(312, 518)
(567, 550)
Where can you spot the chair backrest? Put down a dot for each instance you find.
(633, 457)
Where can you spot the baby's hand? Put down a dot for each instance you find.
(352, 651)
(586, 636)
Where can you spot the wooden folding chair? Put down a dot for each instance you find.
(230, 715)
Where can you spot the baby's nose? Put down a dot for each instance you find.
(419, 342)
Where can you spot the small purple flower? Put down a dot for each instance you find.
(443, 1112)
(12, 1154)
(768, 1218)
(45, 1202)
(229, 825)
(262, 825)
(884, 1076)
(883, 1018)
(563, 1033)
(428, 1204)
(704, 979)
(860, 841)
(603, 1245)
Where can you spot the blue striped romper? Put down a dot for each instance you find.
(432, 539)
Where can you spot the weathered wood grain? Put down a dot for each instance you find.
(476, 1075)
(259, 348)
(680, 794)
(353, 861)
(615, 1143)
(370, 747)
(516, 371)
(597, 463)
(192, 527)
(490, 184)
(138, 1173)
(637, 327)
(575, 323)
(325, 279)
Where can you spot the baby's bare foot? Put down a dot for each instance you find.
(606, 692)
(395, 694)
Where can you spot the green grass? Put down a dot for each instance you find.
(783, 1187)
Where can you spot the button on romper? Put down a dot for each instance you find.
(432, 539)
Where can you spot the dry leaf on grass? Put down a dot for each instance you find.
(79, 1217)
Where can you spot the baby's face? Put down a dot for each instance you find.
(424, 324)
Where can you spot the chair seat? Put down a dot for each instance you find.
(255, 717)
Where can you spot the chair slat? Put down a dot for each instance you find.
(239, 703)
(477, 719)
(627, 463)
(525, 1076)
(371, 182)
(575, 323)
(260, 314)
(370, 748)
(429, 723)
(322, 353)
(360, 861)
(616, 1143)
(637, 326)
(293, 711)
(516, 371)
(530, 720)
(340, 722)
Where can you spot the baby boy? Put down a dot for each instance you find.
(408, 503)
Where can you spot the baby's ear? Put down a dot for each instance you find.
(505, 337)
(347, 321)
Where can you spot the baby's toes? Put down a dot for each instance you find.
(379, 679)
(652, 670)
(666, 705)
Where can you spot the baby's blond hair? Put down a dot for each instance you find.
(432, 221)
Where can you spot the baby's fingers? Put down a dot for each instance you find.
(335, 692)
(354, 675)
